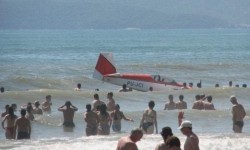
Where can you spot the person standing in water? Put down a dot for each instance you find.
(22, 126)
(171, 104)
(129, 142)
(96, 102)
(91, 120)
(78, 88)
(111, 102)
(166, 133)
(68, 114)
(149, 119)
(46, 105)
(104, 121)
(181, 104)
(6, 111)
(37, 110)
(192, 140)
(238, 113)
(29, 115)
(117, 116)
(10, 119)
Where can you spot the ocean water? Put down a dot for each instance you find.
(35, 63)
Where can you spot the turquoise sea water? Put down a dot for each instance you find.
(35, 63)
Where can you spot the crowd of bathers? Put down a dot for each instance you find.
(101, 117)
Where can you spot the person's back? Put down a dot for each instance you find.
(68, 114)
(166, 133)
(192, 142)
(198, 104)
(129, 142)
(104, 121)
(173, 143)
(96, 102)
(181, 104)
(238, 112)
(125, 143)
(23, 126)
(10, 122)
(91, 120)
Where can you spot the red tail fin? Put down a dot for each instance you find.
(104, 65)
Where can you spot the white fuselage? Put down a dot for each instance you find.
(136, 84)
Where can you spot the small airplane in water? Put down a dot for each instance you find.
(105, 70)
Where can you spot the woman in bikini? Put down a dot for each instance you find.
(9, 129)
(104, 121)
(149, 119)
(117, 116)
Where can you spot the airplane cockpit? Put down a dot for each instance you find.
(160, 78)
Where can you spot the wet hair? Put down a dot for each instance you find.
(217, 85)
(230, 83)
(151, 104)
(124, 86)
(79, 85)
(202, 96)
(117, 106)
(170, 96)
(7, 106)
(23, 112)
(103, 110)
(2, 89)
(209, 98)
(136, 131)
(173, 141)
(191, 84)
(181, 97)
(165, 132)
(14, 106)
(199, 85)
(151, 88)
(67, 103)
(37, 103)
(111, 94)
(184, 84)
(29, 108)
(88, 107)
(197, 97)
(96, 96)
(48, 96)
(11, 112)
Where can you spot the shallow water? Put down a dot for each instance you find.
(35, 63)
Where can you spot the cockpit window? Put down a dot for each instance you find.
(160, 78)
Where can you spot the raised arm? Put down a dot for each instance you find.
(61, 108)
(74, 107)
